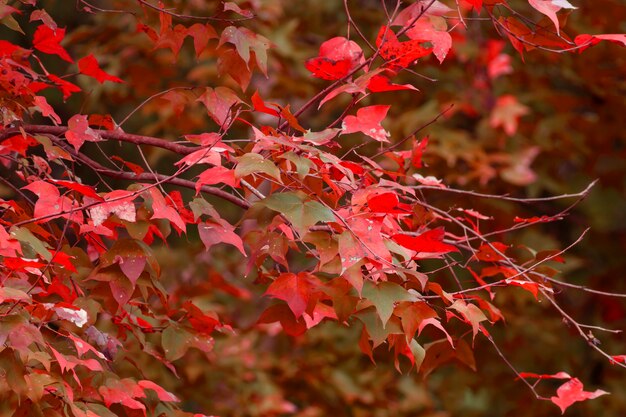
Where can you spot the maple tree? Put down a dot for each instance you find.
(163, 137)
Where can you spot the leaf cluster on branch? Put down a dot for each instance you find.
(337, 221)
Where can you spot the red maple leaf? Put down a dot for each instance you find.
(66, 87)
(487, 252)
(477, 4)
(201, 35)
(618, 359)
(338, 56)
(51, 203)
(282, 313)
(296, 290)
(89, 66)
(585, 41)
(122, 394)
(399, 54)
(78, 187)
(260, 106)
(328, 69)
(430, 241)
(48, 41)
(102, 121)
(380, 83)
(431, 28)
(387, 203)
(17, 143)
(417, 152)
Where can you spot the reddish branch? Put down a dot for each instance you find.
(580, 194)
(192, 17)
(167, 179)
(58, 131)
(104, 134)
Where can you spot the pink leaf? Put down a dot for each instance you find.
(434, 322)
(367, 121)
(83, 347)
(50, 202)
(132, 266)
(429, 181)
(163, 211)
(550, 8)
(44, 17)
(46, 109)
(161, 393)
(363, 240)
(79, 132)
(9, 247)
(78, 316)
(202, 156)
(220, 231)
(320, 312)
(217, 175)
(425, 30)
(571, 392)
(506, 114)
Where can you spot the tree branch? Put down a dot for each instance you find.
(105, 134)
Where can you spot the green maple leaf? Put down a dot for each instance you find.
(252, 163)
(384, 296)
(300, 212)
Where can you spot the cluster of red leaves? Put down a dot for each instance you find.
(80, 280)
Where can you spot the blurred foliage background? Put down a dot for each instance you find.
(573, 132)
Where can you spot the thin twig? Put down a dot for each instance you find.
(415, 132)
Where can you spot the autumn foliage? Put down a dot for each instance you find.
(195, 213)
